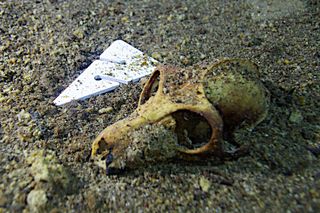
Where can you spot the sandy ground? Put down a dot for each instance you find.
(45, 150)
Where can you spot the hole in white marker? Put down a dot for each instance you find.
(97, 78)
(111, 78)
(119, 61)
(115, 61)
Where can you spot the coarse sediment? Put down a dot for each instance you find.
(44, 45)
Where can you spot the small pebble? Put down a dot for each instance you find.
(204, 184)
(24, 116)
(36, 200)
(295, 117)
(125, 19)
(3, 199)
(91, 200)
(156, 55)
(78, 33)
(105, 110)
(286, 61)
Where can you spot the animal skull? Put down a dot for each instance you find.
(184, 114)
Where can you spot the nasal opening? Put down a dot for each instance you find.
(102, 147)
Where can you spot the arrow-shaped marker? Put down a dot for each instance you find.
(119, 63)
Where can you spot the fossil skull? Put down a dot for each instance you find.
(184, 114)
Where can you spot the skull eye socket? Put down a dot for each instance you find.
(103, 146)
(150, 88)
(192, 129)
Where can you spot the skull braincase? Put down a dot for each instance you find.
(182, 113)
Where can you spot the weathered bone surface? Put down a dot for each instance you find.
(184, 114)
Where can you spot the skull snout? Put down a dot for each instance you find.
(174, 135)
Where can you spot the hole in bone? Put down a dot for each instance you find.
(151, 87)
(103, 146)
(192, 129)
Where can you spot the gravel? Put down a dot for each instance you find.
(44, 46)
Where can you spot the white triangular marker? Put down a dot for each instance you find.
(88, 84)
(119, 52)
(119, 63)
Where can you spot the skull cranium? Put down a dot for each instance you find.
(184, 113)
